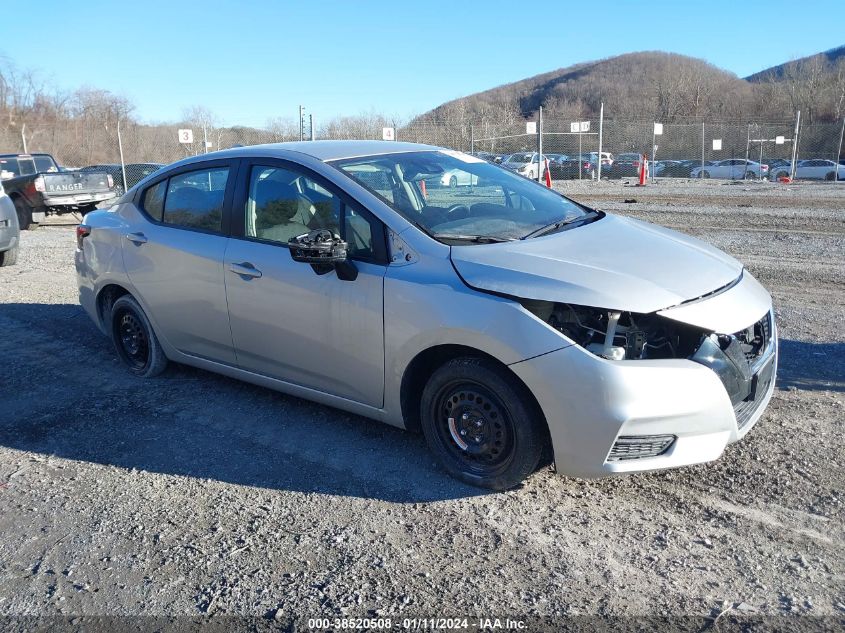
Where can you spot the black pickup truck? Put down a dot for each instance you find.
(38, 187)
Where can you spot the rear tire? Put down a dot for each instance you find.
(134, 339)
(704, 174)
(750, 175)
(481, 424)
(24, 215)
(830, 176)
(9, 257)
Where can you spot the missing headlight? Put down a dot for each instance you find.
(619, 335)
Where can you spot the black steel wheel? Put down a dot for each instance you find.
(481, 424)
(134, 339)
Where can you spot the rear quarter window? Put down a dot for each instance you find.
(153, 200)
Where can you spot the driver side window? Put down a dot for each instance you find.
(283, 203)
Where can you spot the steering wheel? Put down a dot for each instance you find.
(458, 212)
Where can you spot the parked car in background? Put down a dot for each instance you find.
(38, 187)
(10, 234)
(573, 167)
(135, 173)
(732, 169)
(525, 164)
(607, 159)
(457, 178)
(624, 166)
(817, 169)
(507, 326)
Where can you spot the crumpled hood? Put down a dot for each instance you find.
(615, 263)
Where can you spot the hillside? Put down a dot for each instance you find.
(778, 72)
(658, 86)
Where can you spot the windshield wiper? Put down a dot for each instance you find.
(554, 226)
(478, 239)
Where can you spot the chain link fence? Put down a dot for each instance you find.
(727, 150)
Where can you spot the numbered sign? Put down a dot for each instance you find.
(717, 144)
(388, 134)
(530, 127)
(584, 126)
(658, 129)
(779, 140)
(574, 127)
(186, 136)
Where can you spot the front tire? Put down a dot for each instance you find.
(453, 182)
(704, 174)
(481, 424)
(134, 339)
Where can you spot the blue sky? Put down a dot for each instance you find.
(251, 60)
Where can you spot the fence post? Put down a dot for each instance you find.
(540, 145)
(702, 146)
(795, 145)
(122, 162)
(601, 130)
(23, 138)
(747, 146)
(838, 153)
(471, 139)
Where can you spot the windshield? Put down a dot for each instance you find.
(455, 196)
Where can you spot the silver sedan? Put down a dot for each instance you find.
(506, 322)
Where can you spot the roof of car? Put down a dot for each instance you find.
(330, 150)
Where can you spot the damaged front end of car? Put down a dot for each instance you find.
(744, 361)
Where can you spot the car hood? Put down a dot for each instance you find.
(614, 263)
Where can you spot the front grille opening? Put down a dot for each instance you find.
(639, 447)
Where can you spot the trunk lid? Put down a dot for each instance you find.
(74, 182)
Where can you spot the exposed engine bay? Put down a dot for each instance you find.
(619, 335)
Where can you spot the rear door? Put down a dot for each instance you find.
(289, 321)
(173, 252)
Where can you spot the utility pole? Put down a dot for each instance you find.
(23, 137)
(301, 123)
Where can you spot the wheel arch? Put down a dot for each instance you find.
(105, 299)
(418, 371)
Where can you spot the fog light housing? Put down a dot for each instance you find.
(639, 447)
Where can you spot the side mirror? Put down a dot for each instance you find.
(317, 247)
(325, 252)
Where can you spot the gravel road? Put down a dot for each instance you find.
(195, 494)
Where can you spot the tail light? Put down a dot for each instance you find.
(39, 184)
(636, 163)
(82, 231)
(110, 180)
(587, 165)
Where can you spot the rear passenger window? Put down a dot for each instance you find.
(195, 199)
(153, 202)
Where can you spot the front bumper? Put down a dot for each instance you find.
(589, 403)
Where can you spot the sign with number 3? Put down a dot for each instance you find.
(186, 136)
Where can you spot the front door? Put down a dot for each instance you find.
(288, 321)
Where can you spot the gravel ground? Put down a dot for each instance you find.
(195, 494)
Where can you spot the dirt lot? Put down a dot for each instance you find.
(196, 494)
